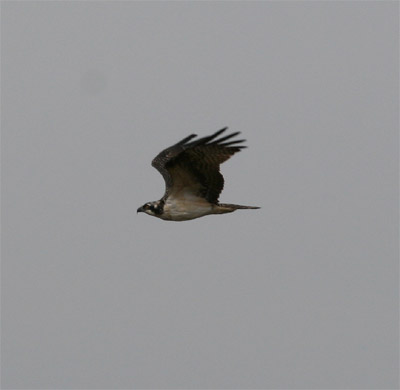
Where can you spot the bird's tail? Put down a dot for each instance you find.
(227, 208)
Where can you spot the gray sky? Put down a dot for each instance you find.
(300, 294)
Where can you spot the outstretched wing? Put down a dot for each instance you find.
(192, 168)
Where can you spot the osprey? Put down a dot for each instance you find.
(192, 178)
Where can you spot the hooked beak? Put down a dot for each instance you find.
(140, 210)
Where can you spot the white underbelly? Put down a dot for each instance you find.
(184, 210)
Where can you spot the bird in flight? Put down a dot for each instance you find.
(192, 178)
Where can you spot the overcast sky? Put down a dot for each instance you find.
(302, 293)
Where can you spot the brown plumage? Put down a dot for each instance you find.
(193, 182)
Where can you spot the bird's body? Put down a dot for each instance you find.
(192, 178)
(185, 208)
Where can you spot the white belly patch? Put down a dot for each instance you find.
(186, 209)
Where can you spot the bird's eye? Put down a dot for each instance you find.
(151, 207)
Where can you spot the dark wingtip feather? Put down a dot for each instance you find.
(218, 141)
(220, 131)
(204, 140)
(233, 142)
(235, 149)
(186, 139)
(216, 134)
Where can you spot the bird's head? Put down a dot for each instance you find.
(151, 208)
